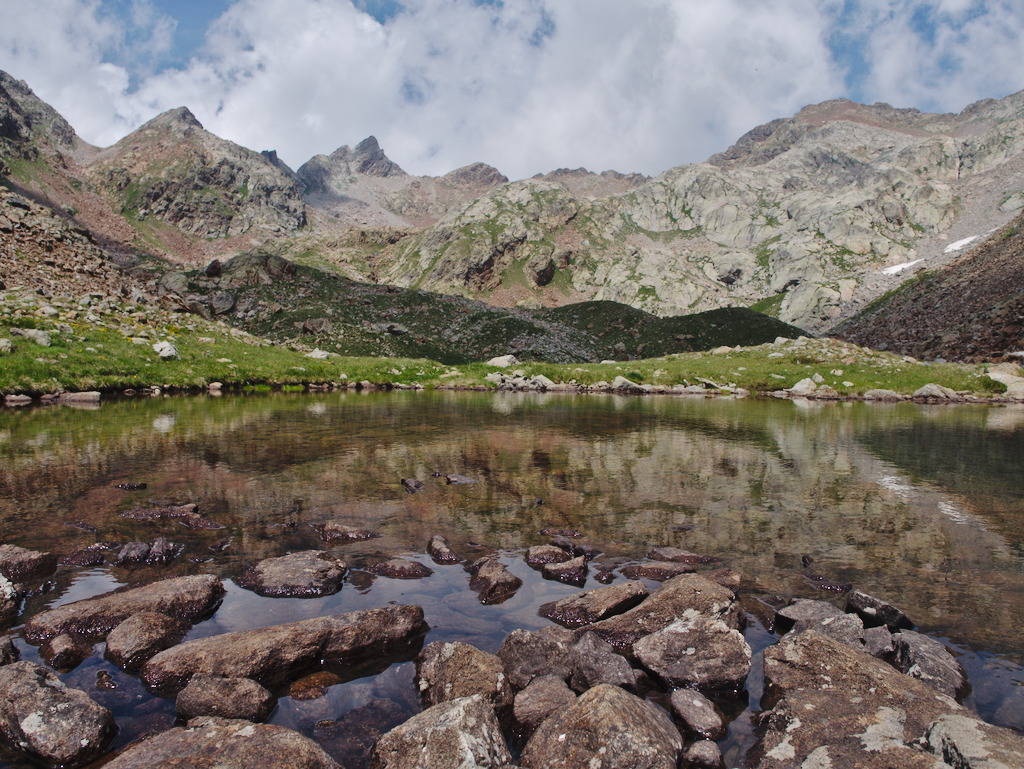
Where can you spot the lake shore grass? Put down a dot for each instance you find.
(112, 349)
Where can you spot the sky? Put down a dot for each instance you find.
(527, 86)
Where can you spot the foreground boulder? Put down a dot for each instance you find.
(594, 605)
(529, 654)
(605, 728)
(686, 593)
(273, 655)
(699, 652)
(832, 705)
(542, 697)
(458, 734)
(141, 636)
(225, 744)
(53, 723)
(447, 671)
(928, 661)
(187, 598)
(307, 574)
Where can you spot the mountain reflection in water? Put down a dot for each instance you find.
(923, 506)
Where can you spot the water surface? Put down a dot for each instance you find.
(920, 505)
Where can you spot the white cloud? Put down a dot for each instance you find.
(527, 86)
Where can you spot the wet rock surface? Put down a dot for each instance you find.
(188, 598)
(209, 695)
(19, 563)
(305, 574)
(658, 571)
(141, 636)
(338, 533)
(677, 555)
(541, 554)
(400, 568)
(65, 652)
(272, 655)
(594, 605)
(463, 732)
(572, 572)
(874, 611)
(440, 550)
(594, 662)
(698, 714)
(927, 660)
(492, 580)
(8, 651)
(225, 744)
(529, 654)
(605, 728)
(55, 724)
(447, 671)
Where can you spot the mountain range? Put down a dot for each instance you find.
(814, 219)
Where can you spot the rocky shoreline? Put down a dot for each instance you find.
(628, 675)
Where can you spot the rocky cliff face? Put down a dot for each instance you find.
(972, 309)
(362, 187)
(802, 215)
(173, 170)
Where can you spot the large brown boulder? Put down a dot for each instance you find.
(685, 595)
(17, 563)
(447, 671)
(833, 705)
(53, 723)
(273, 655)
(698, 652)
(141, 636)
(187, 598)
(225, 744)
(306, 574)
(605, 728)
(461, 733)
(594, 605)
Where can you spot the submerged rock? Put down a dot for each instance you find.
(447, 671)
(272, 655)
(225, 744)
(605, 728)
(458, 734)
(336, 532)
(187, 598)
(676, 555)
(53, 723)
(209, 695)
(657, 571)
(306, 574)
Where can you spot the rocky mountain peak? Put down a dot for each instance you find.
(20, 105)
(476, 174)
(179, 120)
(369, 159)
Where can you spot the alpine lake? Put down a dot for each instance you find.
(921, 506)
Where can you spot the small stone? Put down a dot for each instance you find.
(698, 714)
(439, 549)
(335, 532)
(492, 580)
(541, 554)
(874, 611)
(65, 652)
(572, 572)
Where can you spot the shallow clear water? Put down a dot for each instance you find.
(923, 506)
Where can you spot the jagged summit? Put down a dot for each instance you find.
(23, 113)
(179, 120)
